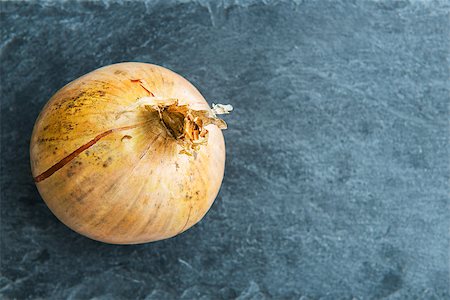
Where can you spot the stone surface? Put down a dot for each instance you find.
(337, 174)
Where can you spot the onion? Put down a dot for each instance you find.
(129, 153)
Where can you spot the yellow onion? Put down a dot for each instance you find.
(129, 153)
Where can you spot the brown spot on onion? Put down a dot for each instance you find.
(126, 137)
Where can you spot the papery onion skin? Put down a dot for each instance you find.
(129, 184)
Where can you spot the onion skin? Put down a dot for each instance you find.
(114, 174)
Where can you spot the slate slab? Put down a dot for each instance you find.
(337, 174)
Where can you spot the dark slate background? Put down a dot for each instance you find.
(337, 174)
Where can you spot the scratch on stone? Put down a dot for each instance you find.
(187, 265)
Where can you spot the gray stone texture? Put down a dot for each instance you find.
(337, 173)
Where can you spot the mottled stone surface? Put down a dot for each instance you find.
(337, 174)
